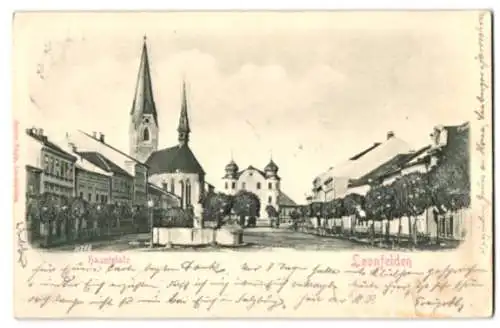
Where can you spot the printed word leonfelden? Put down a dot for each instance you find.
(381, 261)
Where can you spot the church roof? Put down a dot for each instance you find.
(143, 98)
(285, 200)
(102, 162)
(169, 160)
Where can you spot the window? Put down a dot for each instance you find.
(145, 136)
(90, 197)
(243, 185)
(81, 194)
(172, 186)
(56, 167)
(96, 198)
(51, 165)
(258, 185)
(270, 199)
(270, 185)
(47, 165)
(233, 185)
(63, 170)
(188, 193)
(226, 185)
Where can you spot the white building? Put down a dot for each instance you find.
(263, 183)
(443, 140)
(334, 182)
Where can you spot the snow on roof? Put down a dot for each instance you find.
(369, 160)
(85, 143)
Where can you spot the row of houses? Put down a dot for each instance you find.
(87, 167)
(383, 162)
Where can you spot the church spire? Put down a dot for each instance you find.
(143, 97)
(183, 128)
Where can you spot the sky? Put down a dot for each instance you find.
(308, 89)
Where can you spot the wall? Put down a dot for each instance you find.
(361, 190)
(189, 236)
(94, 184)
(121, 189)
(58, 174)
(177, 183)
(140, 184)
(251, 178)
(33, 176)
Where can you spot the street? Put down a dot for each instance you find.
(253, 238)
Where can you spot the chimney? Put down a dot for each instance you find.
(94, 134)
(390, 135)
(40, 132)
(73, 147)
(101, 137)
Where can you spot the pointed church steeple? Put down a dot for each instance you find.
(183, 128)
(143, 129)
(143, 98)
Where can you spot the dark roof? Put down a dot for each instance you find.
(34, 169)
(143, 97)
(44, 140)
(389, 167)
(285, 200)
(364, 152)
(112, 148)
(169, 160)
(102, 162)
(159, 191)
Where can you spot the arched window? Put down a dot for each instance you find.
(145, 136)
(188, 193)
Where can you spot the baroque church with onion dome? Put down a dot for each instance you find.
(263, 183)
(174, 169)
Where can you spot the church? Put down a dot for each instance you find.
(265, 184)
(174, 169)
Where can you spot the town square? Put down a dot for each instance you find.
(156, 192)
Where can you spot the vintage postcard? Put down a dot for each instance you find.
(253, 164)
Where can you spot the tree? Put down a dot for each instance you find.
(79, 211)
(273, 213)
(295, 216)
(317, 211)
(246, 204)
(338, 211)
(449, 180)
(379, 205)
(48, 214)
(353, 204)
(413, 197)
(217, 206)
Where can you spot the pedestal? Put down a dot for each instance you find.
(198, 216)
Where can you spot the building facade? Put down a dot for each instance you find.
(92, 187)
(446, 143)
(57, 166)
(334, 182)
(265, 184)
